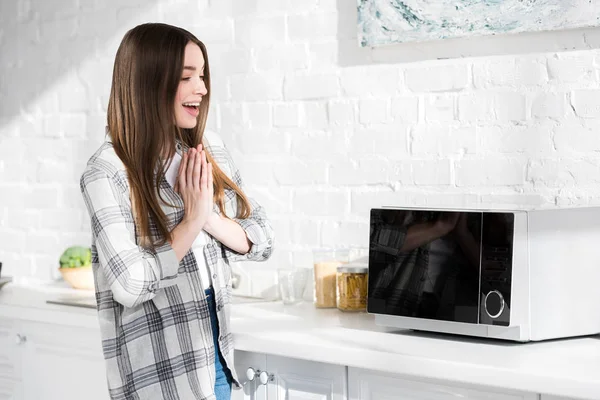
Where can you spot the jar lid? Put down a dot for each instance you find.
(355, 269)
(360, 266)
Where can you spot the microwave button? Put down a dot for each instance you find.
(494, 303)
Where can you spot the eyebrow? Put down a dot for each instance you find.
(191, 68)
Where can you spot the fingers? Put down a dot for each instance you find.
(190, 168)
(197, 171)
(181, 175)
(210, 178)
(204, 179)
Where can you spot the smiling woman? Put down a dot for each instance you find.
(168, 214)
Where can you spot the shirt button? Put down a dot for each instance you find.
(218, 308)
(269, 241)
(214, 276)
(178, 146)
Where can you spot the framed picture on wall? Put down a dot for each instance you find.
(382, 22)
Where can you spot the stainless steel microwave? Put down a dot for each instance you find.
(518, 275)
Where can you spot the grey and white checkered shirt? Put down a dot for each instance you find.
(154, 317)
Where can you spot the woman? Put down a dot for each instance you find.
(168, 214)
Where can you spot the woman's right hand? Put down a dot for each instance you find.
(195, 186)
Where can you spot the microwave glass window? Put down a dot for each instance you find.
(425, 264)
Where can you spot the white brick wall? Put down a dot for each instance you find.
(322, 129)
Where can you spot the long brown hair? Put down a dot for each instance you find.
(141, 122)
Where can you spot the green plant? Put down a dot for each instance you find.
(75, 257)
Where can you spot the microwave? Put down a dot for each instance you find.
(519, 275)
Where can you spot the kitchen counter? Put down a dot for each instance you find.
(568, 367)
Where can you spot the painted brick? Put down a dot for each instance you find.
(315, 115)
(299, 172)
(320, 203)
(586, 103)
(306, 87)
(390, 139)
(476, 106)
(286, 115)
(312, 26)
(578, 137)
(510, 107)
(441, 108)
(510, 72)
(443, 140)
(405, 109)
(549, 105)
(490, 172)
(256, 87)
(341, 112)
(516, 139)
(373, 111)
(290, 57)
(255, 32)
(447, 78)
(432, 172)
(258, 115)
(376, 81)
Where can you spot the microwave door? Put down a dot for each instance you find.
(425, 264)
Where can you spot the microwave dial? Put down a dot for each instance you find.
(494, 304)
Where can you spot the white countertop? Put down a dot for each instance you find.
(569, 367)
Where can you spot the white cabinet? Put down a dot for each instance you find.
(370, 385)
(10, 382)
(61, 362)
(305, 380)
(246, 362)
(41, 361)
(289, 379)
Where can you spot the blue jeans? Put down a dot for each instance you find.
(223, 375)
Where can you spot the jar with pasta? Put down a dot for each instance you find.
(325, 269)
(352, 287)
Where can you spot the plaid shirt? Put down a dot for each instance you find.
(154, 317)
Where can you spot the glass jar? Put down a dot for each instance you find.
(352, 285)
(325, 268)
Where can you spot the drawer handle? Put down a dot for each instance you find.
(263, 376)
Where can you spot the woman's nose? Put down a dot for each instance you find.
(201, 88)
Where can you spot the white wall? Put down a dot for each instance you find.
(321, 129)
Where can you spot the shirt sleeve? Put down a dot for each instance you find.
(133, 273)
(257, 226)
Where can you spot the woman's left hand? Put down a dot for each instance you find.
(203, 184)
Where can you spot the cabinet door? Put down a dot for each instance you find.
(62, 363)
(10, 385)
(252, 389)
(371, 385)
(295, 379)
